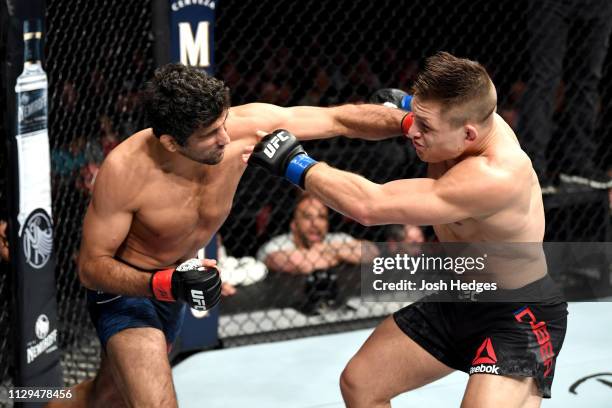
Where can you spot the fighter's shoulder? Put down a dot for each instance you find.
(126, 165)
(249, 109)
(244, 120)
(483, 175)
(483, 166)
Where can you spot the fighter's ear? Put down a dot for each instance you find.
(471, 133)
(169, 143)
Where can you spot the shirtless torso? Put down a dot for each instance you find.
(522, 220)
(173, 215)
(509, 234)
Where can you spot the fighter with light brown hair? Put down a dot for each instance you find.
(480, 187)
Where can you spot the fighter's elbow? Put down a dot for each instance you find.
(85, 275)
(86, 280)
(341, 118)
(364, 214)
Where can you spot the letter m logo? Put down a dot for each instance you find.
(195, 50)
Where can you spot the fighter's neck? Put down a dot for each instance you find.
(176, 163)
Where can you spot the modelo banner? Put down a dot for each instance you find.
(192, 33)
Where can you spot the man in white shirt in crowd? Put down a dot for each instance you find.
(309, 245)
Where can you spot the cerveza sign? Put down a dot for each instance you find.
(192, 32)
(179, 4)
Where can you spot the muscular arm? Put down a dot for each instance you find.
(467, 190)
(106, 225)
(372, 122)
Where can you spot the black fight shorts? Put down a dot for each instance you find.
(510, 339)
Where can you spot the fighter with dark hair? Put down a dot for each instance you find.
(158, 198)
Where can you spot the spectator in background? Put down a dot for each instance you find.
(610, 192)
(77, 151)
(69, 96)
(406, 234)
(97, 82)
(576, 32)
(404, 238)
(363, 75)
(4, 232)
(310, 246)
(229, 71)
(128, 104)
(408, 74)
(510, 107)
(94, 155)
(108, 135)
(79, 169)
(316, 94)
(4, 243)
(95, 150)
(276, 94)
(285, 91)
(61, 162)
(269, 92)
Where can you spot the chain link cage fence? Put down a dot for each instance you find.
(99, 54)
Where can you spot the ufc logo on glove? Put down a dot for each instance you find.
(197, 297)
(272, 147)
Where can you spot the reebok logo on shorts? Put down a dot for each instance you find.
(485, 359)
(485, 353)
(487, 369)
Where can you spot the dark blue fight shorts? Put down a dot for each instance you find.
(112, 313)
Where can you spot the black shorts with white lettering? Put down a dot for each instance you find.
(511, 339)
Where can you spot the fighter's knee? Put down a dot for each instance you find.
(353, 377)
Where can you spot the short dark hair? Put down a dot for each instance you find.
(180, 99)
(456, 82)
(395, 233)
(303, 196)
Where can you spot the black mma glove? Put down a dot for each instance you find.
(281, 154)
(191, 282)
(394, 98)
